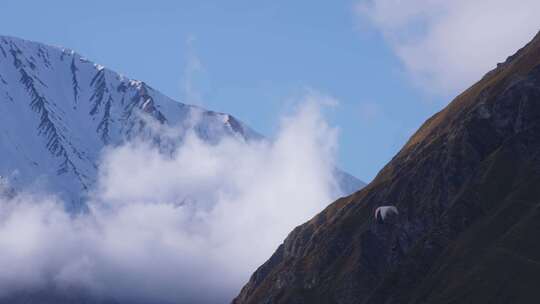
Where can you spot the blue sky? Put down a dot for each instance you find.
(249, 59)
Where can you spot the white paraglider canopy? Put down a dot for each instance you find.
(384, 212)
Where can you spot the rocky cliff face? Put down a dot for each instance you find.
(466, 188)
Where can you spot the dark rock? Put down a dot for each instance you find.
(466, 187)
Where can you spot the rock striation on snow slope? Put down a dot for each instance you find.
(58, 110)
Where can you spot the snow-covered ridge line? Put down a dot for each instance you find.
(58, 110)
(44, 49)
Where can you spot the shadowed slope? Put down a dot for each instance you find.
(464, 186)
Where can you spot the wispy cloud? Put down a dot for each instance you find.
(447, 45)
(193, 68)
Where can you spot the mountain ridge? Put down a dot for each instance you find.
(60, 110)
(465, 169)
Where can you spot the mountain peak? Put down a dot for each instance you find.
(59, 110)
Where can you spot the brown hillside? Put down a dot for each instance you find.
(466, 186)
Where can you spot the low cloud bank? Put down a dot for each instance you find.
(188, 226)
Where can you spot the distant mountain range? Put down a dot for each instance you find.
(58, 110)
(465, 197)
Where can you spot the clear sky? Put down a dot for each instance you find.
(249, 58)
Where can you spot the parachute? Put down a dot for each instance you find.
(384, 213)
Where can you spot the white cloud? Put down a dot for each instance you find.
(448, 45)
(186, 227)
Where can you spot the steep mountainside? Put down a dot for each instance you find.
(58, 110)
(466, 188)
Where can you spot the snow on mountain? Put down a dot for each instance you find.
(58, 110)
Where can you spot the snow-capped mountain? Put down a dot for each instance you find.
(58, 110)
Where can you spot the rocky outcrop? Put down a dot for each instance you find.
(468, 206)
